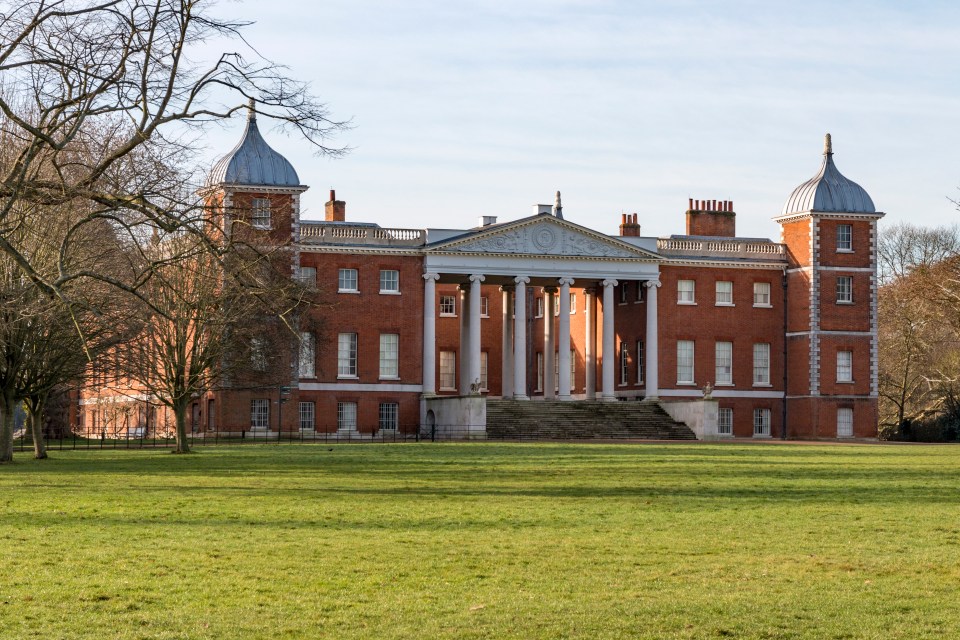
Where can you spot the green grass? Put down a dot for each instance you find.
(483, 541)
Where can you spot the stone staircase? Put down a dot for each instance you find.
(581, 420)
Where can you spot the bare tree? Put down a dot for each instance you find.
(210, 320)
(903, 248)
(96, 95)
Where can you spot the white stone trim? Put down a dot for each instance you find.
(874, 319)
(723, 393)
(356, 386)
(864, 334)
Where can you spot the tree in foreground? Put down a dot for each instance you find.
(212, 319)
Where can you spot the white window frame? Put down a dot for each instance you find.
(539, 300)
(389, 416)
(348, 280)
(723, 364)
(260, 217)
(347, 416)
(307, 360)
(448, 306)
(623, 293)
(573, 303)
(640, 362)
(640, 288)
(259, 414)
(484, 307)
(308, 416)
(725, 421)
(761, 423)
(389, 356)
(686, 357)
(573, 370)
(448, 370)
(390, 282)
(556, 305)
(687, 292)
(347, 344)
(724, 289)
(844, 238)
(844, 422)
(307, 276)
(844, 366)
(761, 294)
(624, 364)
(539, 371)
(258, 353)
(844, 289)
(484, 380)
(761, 364)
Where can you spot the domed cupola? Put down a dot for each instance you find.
(253, 162)
(828, 191)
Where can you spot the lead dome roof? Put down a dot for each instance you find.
(253, 162)
(829, 191)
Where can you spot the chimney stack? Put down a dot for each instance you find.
(629, 227)
(336, 210)
(711, 218)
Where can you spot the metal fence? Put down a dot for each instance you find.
(24, 442)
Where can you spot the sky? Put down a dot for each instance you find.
(461, 109)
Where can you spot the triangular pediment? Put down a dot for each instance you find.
(542, 235)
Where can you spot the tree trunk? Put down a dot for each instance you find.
(6, 430)
(35, 408)
(180, 412)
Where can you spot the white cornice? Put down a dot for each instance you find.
(835, 215)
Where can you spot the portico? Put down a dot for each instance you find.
(546, 255)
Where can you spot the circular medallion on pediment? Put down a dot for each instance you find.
(545, 238)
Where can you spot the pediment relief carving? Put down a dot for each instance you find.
(544, 239)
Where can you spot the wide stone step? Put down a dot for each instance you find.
(578, 420)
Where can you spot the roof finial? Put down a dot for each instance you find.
(251, 110)
(557, 207)
(827, 146)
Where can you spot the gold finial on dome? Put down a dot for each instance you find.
(827, 145)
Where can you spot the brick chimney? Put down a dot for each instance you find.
(336, 209)
(629, 225)
(711, 218)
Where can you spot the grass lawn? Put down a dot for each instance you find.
(483, 541)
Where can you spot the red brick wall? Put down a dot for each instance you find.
(706, 324)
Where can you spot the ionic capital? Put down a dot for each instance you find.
(565, 281)
(609, 283)
(651, 283)
(431, 276)
(522, 280)
(477, 278)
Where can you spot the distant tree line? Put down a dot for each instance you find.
(919, 332)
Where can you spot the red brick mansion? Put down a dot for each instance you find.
(754, 334)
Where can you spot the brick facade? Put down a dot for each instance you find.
(798, 317)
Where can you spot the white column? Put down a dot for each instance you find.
(506, 361)
(520, 339)
(430, 334)
(464, 354)
(590, 343)
(474, 367)
(609, 342)
(548, 341)
(651, 349)
(563, 346)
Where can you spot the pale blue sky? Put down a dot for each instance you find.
(462, 109)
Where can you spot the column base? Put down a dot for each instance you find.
(608, 398)
(522, 396)
(566, 398)
(651, 399)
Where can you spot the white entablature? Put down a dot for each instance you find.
(541, 246)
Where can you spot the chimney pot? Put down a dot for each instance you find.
(690, 206)
(333, 195)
